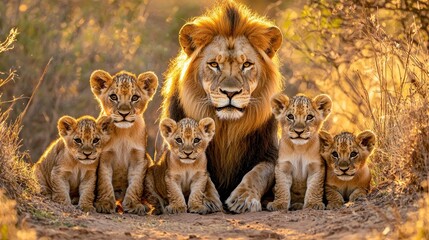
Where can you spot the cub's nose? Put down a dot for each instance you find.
(124, 114)
(299, 132)
(87, 154)
(187, 153)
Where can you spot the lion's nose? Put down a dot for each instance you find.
(124, 114)
(343, 166)
(187, 153)
(299, 132)
(87, 154)
(230, 94)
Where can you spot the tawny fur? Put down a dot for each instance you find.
(228, 70)
(67, 169)
(123, 164)
(181, 172)
(300, 170)
(347, 177)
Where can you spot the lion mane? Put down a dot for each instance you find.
(240, 144)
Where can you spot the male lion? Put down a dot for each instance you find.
(228, 70)
(123, 96)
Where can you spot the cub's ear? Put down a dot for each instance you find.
(191, 37)
(207, 126)
(269, 40)
(167, 127)
(105, 124)
(148, 81)
(99, 81)
(325, 141)
(323, 104)
(366, 140)
(279, 104)
(66, 125)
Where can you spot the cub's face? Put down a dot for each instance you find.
(345, 154)
(85, 137)
(301, 117)
(124, 96)
(187, 139)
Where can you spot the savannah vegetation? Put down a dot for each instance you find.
(371, 57)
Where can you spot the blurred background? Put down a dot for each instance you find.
(370, 56)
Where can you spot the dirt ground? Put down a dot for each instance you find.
(354, 221)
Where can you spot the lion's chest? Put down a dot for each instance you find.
(186, 177)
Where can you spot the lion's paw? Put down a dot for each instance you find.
(200, 209)
(296, 206)
(278, 205)
(105, 206)
(135, 208)
(243, 200)
(213, 205)
(173, 209)
(334, 205)
(315, 205)
(87, 208)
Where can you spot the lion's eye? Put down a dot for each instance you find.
(197, 140)
(78, 140)
(179, 140)
(247, 64)
(135, 98)
(213, 64)
(310, 117)
(113, 97)
(290, 116)
(96, 140)
(353, 154)
(335, 154)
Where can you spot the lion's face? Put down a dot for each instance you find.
(301, 117)
(229, 72)
(187, 139)
(84, 138)
(345, 154)
(124, 96)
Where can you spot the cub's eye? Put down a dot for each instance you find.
(335, 154)
(96, 140)
(113, 97)
(213, 64)
(247, 64)
(353, 154)
(197, 140)
(290, 116)
(78, 140)
(135, 98)
(179, 140)
(310, 117)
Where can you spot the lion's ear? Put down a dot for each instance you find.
(279, 104)
(167, 127)
(325, 141)
(207, 126)
(275, 38)
(323, 104)
(99, 81)
(105, 124)
(366, 140)
(185, 38)
(148, 81)
(66, 125)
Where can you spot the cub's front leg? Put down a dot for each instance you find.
(334, 198)
(105, 202)
(211, 198)
(358, 194)
(86, 191)
(198, 186)
(283, 174)
(246, 197)
(136, 172)
(60, 186)
(314, 193)
(176, 199)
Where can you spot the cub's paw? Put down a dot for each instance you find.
(334, 205)
(358, 197)
(296, 206)
(278, 205)
(105, 206)
(173, 209)
(135, 208)
(61, 199)
(242, 200)
(87, 208)
(315, 205)
(213, 205)
(201, 209)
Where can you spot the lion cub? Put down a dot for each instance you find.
(347, 175)
(300, 170)
(123, 163)
(181, 172)
(67, 169)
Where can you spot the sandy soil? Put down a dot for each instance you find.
(354, 221)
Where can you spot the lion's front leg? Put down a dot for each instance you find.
(136, 172)
(283, 174)
(314, 193)
(198, 186)
(86, 191)
(60, 186)
(211, 197)
(246, 197)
